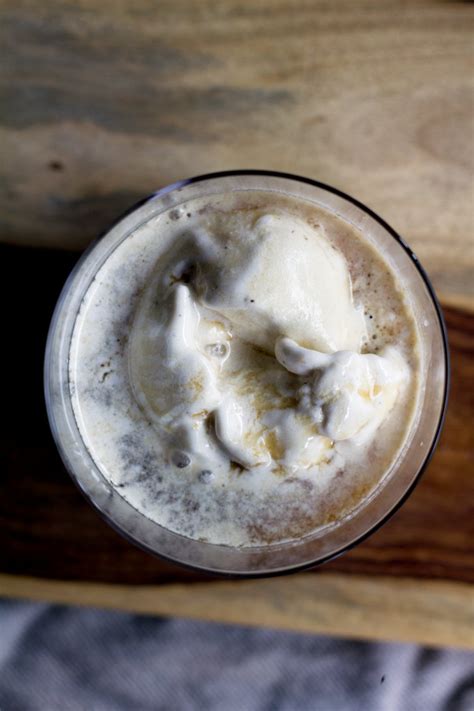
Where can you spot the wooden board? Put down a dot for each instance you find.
(104, 102)
(55, 546)
(427, 612)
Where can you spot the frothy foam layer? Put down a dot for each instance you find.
(222, 371)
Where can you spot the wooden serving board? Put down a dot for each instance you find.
(104, 102)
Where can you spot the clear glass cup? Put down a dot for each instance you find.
(312, 549)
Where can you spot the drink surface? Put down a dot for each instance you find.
(245, 368)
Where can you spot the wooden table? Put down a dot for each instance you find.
(102, 103)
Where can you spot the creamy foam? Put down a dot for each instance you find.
(244, 370)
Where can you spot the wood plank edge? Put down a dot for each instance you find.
(461, 302)
(430, 612)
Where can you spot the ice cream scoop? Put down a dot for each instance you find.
(281, 276)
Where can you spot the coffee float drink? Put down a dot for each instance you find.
(245, 368)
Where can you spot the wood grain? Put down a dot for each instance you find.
(49, 530)
(426, 612)
(104, 102)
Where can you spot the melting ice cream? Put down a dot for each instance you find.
(246, 348)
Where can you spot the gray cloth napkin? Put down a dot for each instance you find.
(56, 658)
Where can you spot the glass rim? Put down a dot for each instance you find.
(291, 568)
